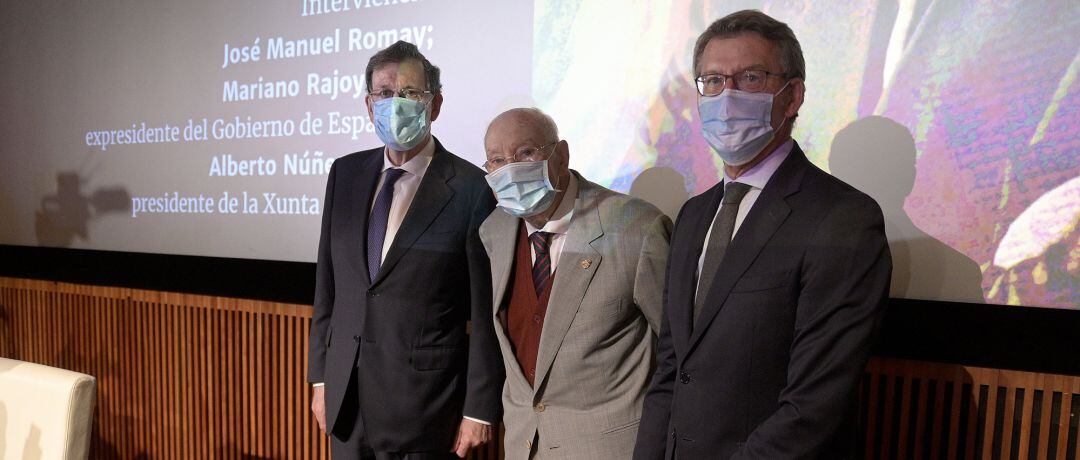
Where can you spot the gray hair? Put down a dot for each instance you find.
(740, 22)
(400, 52)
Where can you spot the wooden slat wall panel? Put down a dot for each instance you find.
(955, 427)
(184, 376)
(179, 376)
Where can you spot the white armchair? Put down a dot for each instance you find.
(45, 412)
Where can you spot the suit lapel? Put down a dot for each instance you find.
(500, 238)
(764, 219)
(572, 277)
(361, 189)
(430, 199)
(687, 255)
(500, 234)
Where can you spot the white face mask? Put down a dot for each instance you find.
(738, 124)
(523, 189)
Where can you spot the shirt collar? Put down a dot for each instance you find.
(760, 174)
(416, 165)
(560, 221)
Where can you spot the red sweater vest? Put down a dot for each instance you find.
(524, 309)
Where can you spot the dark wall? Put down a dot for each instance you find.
(997, 336)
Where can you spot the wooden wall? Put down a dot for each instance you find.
(187, 376)
(913, 409)
(179, 376)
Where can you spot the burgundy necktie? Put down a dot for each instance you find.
(541, 243)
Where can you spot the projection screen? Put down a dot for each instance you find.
(207, 128)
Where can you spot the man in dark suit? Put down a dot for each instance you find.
(401, 271)
(777, 276)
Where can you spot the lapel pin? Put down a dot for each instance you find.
(586, 263)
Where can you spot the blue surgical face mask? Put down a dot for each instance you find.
(523, 189)
(738, 124)
(400, 123)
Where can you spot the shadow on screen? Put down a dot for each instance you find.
(664, 187)
(877, 155)
(66, 215)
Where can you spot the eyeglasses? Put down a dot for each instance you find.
(522, 154)
(414, 94)
(751, 81)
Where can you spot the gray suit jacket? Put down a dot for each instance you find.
(596, 350)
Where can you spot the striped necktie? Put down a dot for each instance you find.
(541, 243)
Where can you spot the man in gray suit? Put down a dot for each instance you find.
(577, 273)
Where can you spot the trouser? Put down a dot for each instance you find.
(348, 441)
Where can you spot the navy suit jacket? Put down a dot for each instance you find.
(418, 370)
(770, 370)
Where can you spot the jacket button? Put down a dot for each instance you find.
(684, 377)
(539, 407)
(356, 338)
(672, 433)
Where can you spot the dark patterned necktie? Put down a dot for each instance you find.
(722, 228)
(541, 243)
(380, 214)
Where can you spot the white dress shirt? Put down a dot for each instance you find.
(558, 225)
(756, 177)
(404, 189)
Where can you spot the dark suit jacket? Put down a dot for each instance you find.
(418, 371)
(771, 368)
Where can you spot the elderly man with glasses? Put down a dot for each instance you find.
(577, 281)
(400, 273)
(778, 275)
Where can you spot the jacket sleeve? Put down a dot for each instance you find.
(652, 262)
(483, 395)
(844, 286)
(656, 411)
(323, 307)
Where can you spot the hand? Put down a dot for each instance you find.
(318, 406)
(471, 434)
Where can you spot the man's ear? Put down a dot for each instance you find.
(798, 91)
(562, 149)
(436, 106)
(370, 108)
